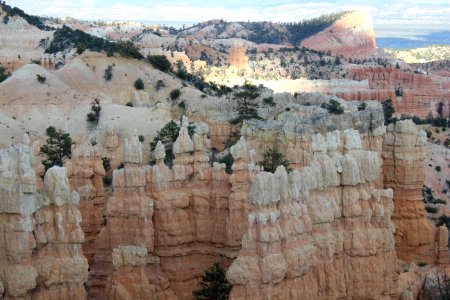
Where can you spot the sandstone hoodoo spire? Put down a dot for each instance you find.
(237, 56)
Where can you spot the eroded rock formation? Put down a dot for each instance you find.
(314, 233)
(411, 93)
(403, 154)
(237, 57)
(41, 255)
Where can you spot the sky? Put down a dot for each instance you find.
(391, 18)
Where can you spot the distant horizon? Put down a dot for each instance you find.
(391, 19)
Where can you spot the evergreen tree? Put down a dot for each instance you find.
(57, 149)
(388, 110)
(214, 284)
(247, 106)
(167, 135)
(160, 62)
(272, 158)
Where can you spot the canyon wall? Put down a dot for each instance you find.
(164, 227)
(41, 255)
(417, 94)
(314, 233)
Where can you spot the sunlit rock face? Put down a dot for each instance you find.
(351, 36)
(411, 93)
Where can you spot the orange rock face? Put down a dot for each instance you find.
(351, 36)
(314, 233)
(403, 154)
(323, 231)
(164, 226)
(41, 255)
(85, 171)
(418, 94)
(237, 57)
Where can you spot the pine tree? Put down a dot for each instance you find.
(57, 149)
(247, 106)
(272, 158)
(214, 284)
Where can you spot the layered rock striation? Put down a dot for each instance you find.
(314, 233)
(403, 155)
(411, 93)
(41, 254)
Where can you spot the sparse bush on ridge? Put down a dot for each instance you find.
(139, 84)
(333, 107)
(160, 62)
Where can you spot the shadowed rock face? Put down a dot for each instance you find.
(41, 254)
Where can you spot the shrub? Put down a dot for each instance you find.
(141, 138)
(94, 116)
(333, 107)
(106, 164)
(388, 111)
(107, 180)
(439, 200)
(272, 158)
(159, 85)
(437, 168)
(269, 101)
(41, 78)
(431, 209)
(3, 75)
(167, 135)
(108, 73)
(214, 284)
(160, 62)
(80, 48)
(139, 84)
(228, 160)
(175, 94)
(362, 106)
(57, 149)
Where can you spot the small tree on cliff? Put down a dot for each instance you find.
(273, 158)
(214, 285)
(388, 111)
(57, 149)
(246, 100)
